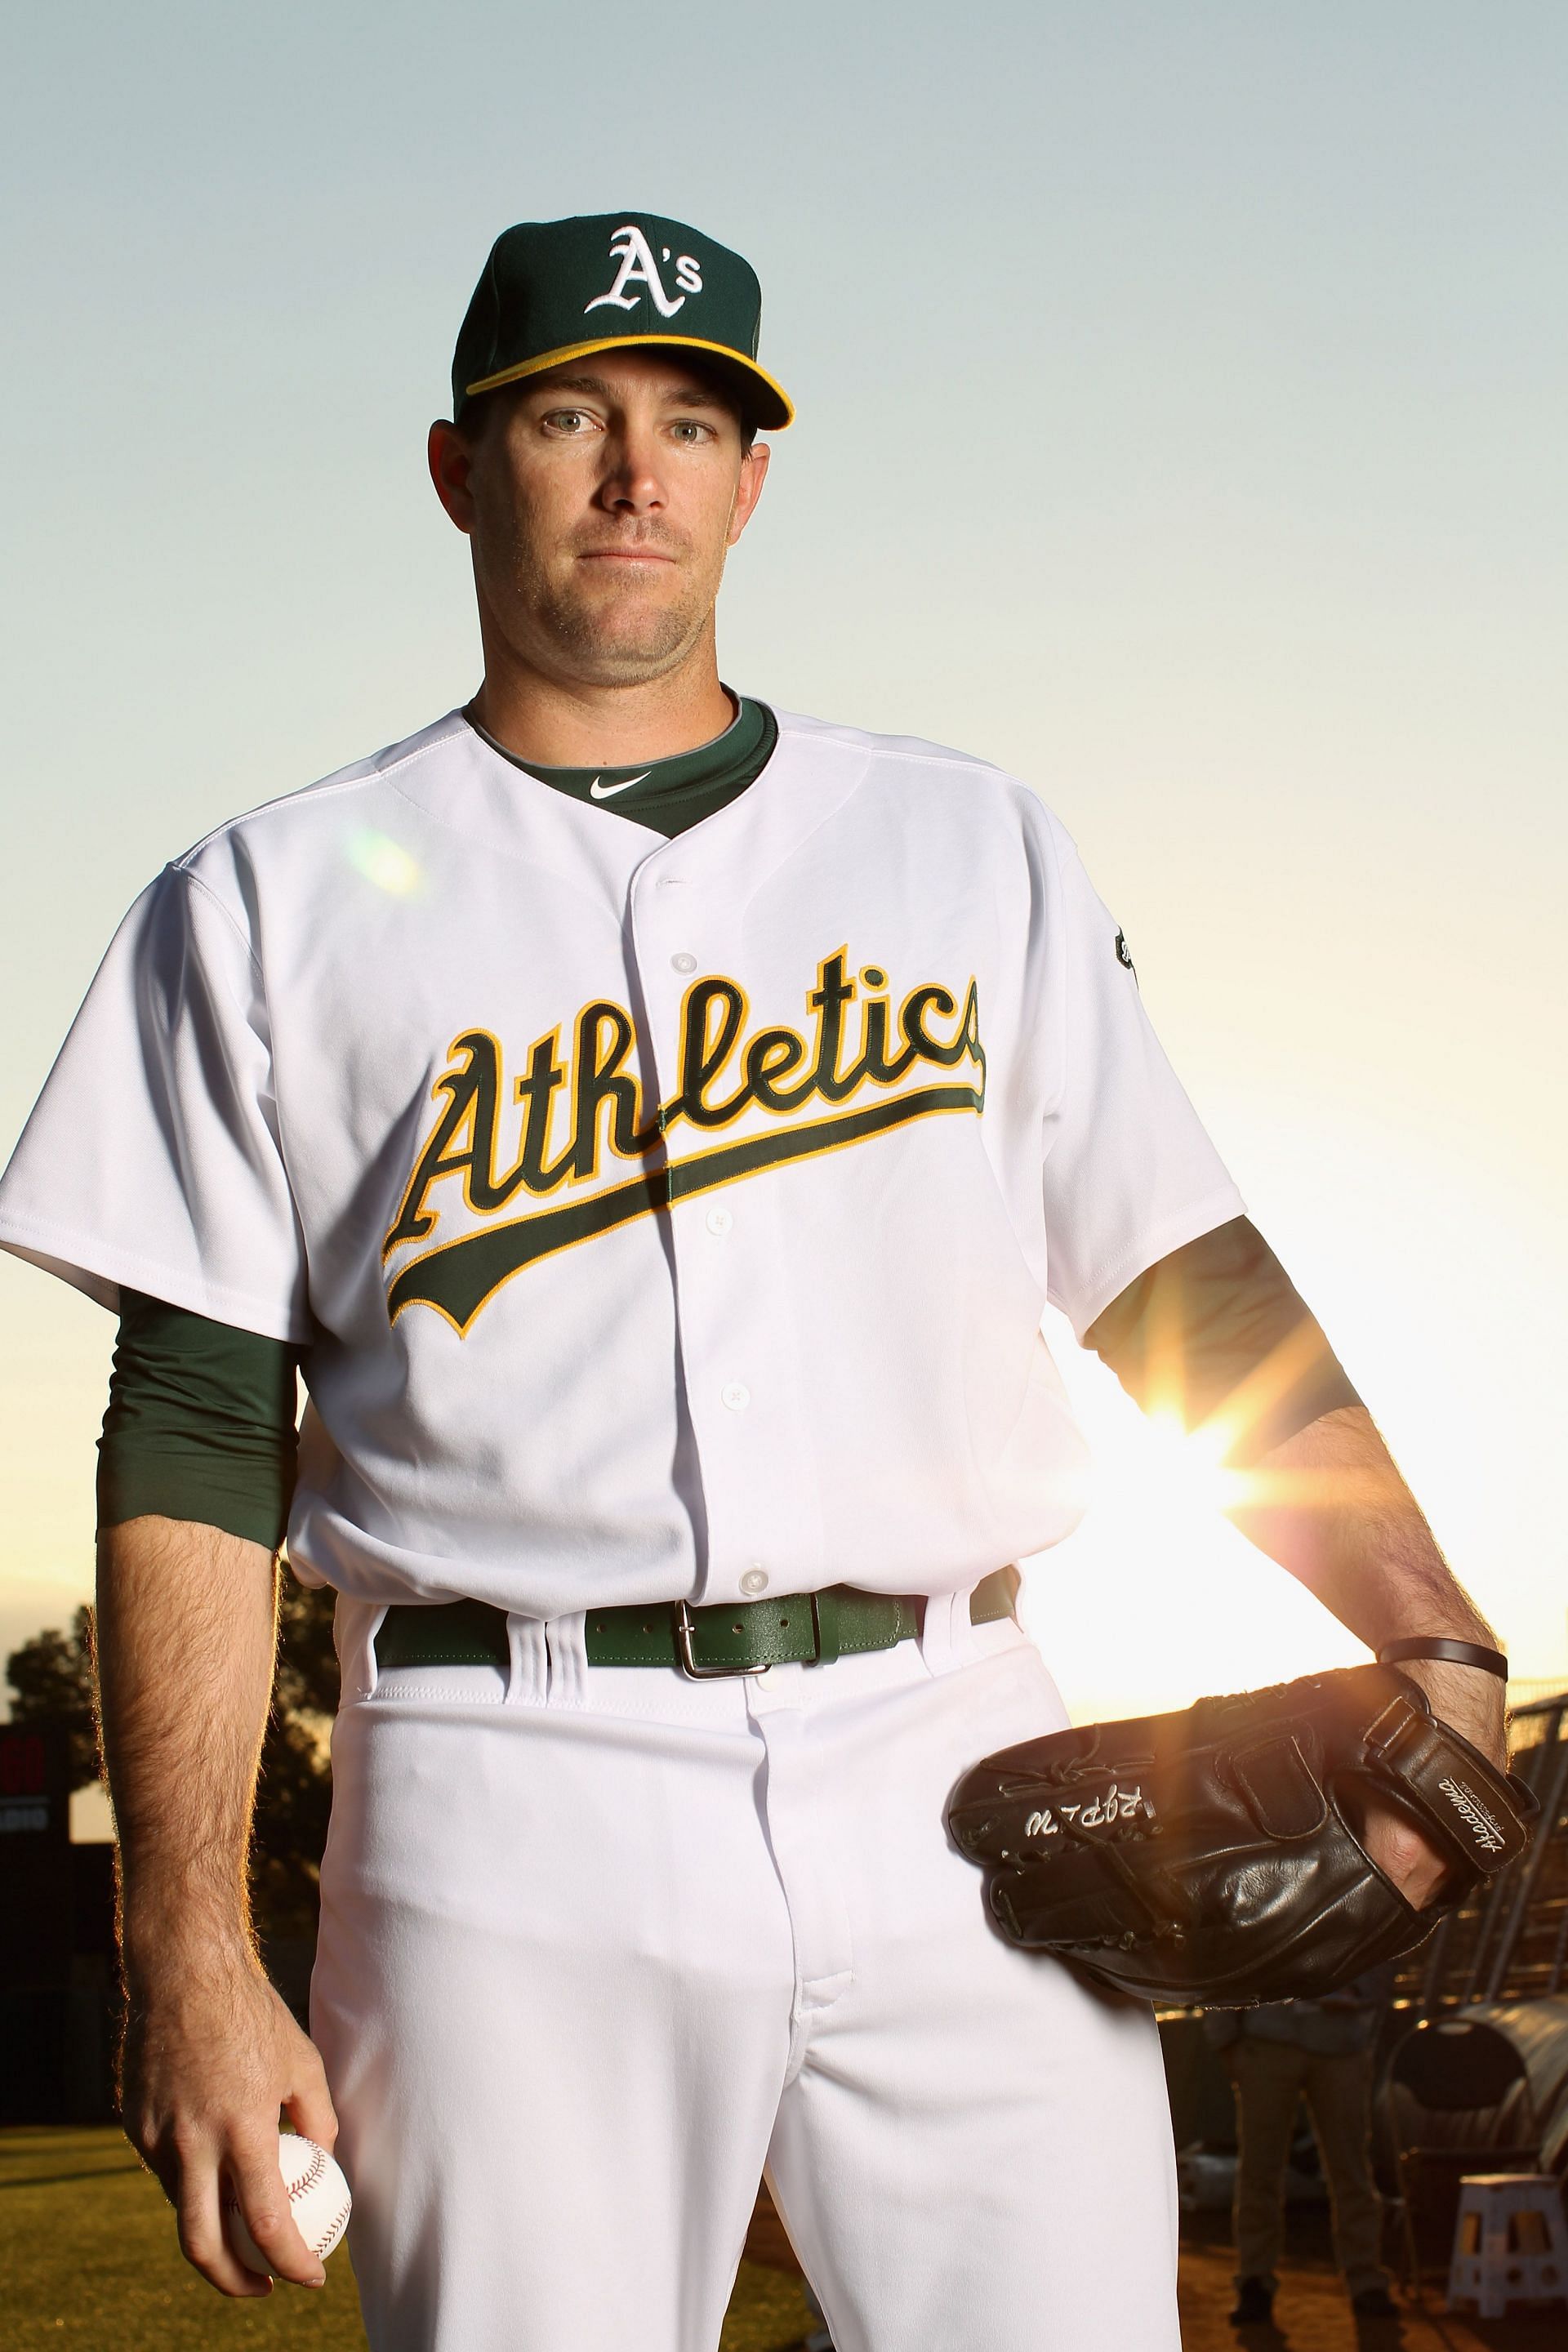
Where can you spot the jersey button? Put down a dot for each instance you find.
(720, 1221)
(755, 1579)
(736, 1395)
(683, 963)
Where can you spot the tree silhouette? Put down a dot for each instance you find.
(53, 1679)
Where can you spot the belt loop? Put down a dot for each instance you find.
(528, 1676)
(826, 1626)
(946, 1635)
(565, 1641)
(355, 1624)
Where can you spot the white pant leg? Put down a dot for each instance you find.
(552, 1996)
(974, 2152)
(579, 1960)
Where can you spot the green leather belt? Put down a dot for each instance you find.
(731, 1638)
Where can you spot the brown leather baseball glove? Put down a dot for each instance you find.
(1211, 1856)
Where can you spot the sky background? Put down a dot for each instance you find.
(1181, 392)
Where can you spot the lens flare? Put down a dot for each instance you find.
(1158, 1598)
(1190, 1467)
(386, 864)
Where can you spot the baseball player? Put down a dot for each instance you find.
(653, 1124)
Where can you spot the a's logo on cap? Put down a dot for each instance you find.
(632, 250)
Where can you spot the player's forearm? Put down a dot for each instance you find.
(1330, 1506)
(186, 1618)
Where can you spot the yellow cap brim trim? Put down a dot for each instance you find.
(626, 343)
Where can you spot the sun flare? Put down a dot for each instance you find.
(1179, 1468)
(1157, 1599)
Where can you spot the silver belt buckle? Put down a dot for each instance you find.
(684, 1629)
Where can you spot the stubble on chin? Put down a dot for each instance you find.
(621, 638)
(564, 615)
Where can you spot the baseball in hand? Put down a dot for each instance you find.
(318, 2199)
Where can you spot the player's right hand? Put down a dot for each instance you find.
(212, 2054)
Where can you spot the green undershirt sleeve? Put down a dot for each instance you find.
(200, 1423)
(1218, 1327)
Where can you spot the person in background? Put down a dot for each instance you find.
(1275, 2055)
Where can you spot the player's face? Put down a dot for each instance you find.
(601, 501)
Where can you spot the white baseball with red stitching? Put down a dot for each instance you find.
(318, 2199)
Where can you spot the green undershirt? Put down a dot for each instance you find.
(200, 1423)
(669, 796)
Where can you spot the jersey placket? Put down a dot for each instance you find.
(742, 1382)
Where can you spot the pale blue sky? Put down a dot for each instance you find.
(1182, 392)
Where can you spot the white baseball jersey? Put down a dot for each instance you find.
(661, 1218)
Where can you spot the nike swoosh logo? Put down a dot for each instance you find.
(598, 792)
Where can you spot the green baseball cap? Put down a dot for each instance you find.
(556, 290)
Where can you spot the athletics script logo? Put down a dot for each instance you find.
(632, 250)
(856, 1056)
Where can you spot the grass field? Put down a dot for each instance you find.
(88, 2258)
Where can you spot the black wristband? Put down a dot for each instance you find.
(1443, 1652)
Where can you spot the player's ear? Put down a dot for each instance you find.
(451, 460)
(749, 489)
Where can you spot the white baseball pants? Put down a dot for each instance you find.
(598, 1944)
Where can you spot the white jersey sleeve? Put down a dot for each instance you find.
(1130, 1173)
(153, 1156)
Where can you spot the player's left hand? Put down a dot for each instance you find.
(1402, 1854)
(1474, 1703)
